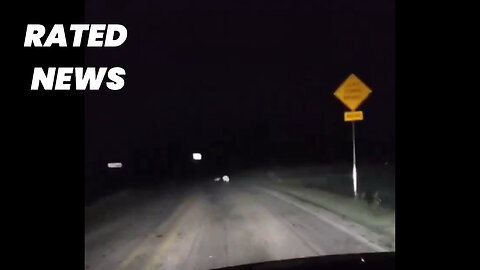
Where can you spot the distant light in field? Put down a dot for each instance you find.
(197, 156)
(226, 178)
(114, 165)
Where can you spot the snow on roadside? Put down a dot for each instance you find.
(375, 218)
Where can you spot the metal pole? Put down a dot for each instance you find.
(354, 173)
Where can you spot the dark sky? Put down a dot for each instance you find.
(254, 78)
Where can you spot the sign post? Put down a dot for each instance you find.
(354, 172)
(352, 92)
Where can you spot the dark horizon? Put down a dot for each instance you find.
(244, 85)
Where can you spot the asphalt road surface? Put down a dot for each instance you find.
(216, 225)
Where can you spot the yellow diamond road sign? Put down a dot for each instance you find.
(352, 92)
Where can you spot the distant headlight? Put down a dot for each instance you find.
(226, 178)
(114, 165)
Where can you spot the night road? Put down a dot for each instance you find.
(216, 225)
(196, 135)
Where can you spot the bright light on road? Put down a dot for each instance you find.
(197, 156)
(226, 178)
(114, 165)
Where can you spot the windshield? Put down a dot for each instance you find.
(244, 133)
